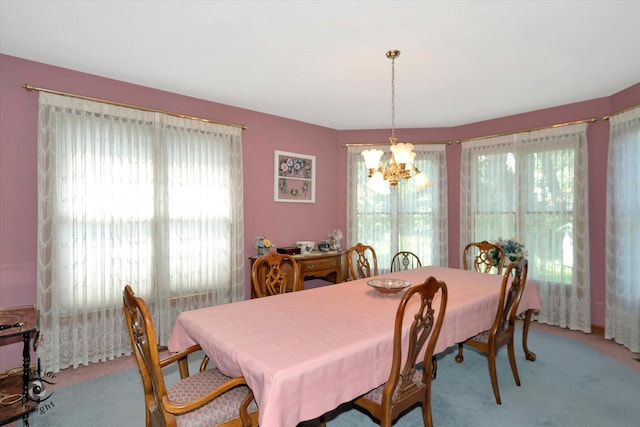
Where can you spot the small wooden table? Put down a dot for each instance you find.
(330, 266)
(18, 321)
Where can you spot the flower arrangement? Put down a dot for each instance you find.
(335, 237)
(513, 250)
(262, 245)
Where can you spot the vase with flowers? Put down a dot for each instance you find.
(335, 237)
(263, 245)
(513, 250)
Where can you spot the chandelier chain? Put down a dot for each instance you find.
(393, 97)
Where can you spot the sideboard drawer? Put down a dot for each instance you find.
(320, 264)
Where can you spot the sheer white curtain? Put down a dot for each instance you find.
(131, 197)
(622, 316)
(404, 219)
(533, 186)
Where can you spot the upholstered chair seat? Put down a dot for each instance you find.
(223, 410)
(375, 395)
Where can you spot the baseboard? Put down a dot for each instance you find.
(595, 329)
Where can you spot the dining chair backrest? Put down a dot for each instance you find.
(362, 261)
(405, 260)
(274, 274)
(144, 343)
(424, 305)
(484, 257)
(514, 279)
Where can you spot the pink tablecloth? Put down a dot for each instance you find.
(304, 353)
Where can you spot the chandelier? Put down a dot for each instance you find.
(400, 166)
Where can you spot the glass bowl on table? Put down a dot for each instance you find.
(388, 286)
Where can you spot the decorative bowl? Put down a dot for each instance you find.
(324, 246)
(388, 286)
(305, 247)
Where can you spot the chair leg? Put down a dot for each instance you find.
(434, 367)
(459, 357)
(426, 410)
(244, 410)
(512, 361)
(491, 359)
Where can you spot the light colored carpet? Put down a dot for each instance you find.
(570, 384)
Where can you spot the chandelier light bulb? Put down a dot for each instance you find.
(378, 184)
(422, 181)
(402, 153)
(372, 158)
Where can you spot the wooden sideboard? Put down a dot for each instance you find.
(331, 266)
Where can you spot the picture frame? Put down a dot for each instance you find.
(294, 178)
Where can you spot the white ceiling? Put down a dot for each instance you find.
(323, 62)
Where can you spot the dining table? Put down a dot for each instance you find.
(304, 353)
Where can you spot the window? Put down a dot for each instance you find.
(405, 219)
(622, 315)
(533, 186)
(131, 197)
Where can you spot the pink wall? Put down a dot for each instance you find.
(284, 223)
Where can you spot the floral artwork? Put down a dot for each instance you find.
(513, 250)
(294, 177)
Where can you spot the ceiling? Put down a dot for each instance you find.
(323, 62)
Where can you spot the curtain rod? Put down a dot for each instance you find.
(370, 144)
(608, 116)
(30, 88)
(577, 122)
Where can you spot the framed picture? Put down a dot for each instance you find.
(294, 177)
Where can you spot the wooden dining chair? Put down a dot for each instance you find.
(207, 398)
(274, 274)
(405, 260)
(409, 384)
(479, 256)
(502, 331)
(362, 261)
